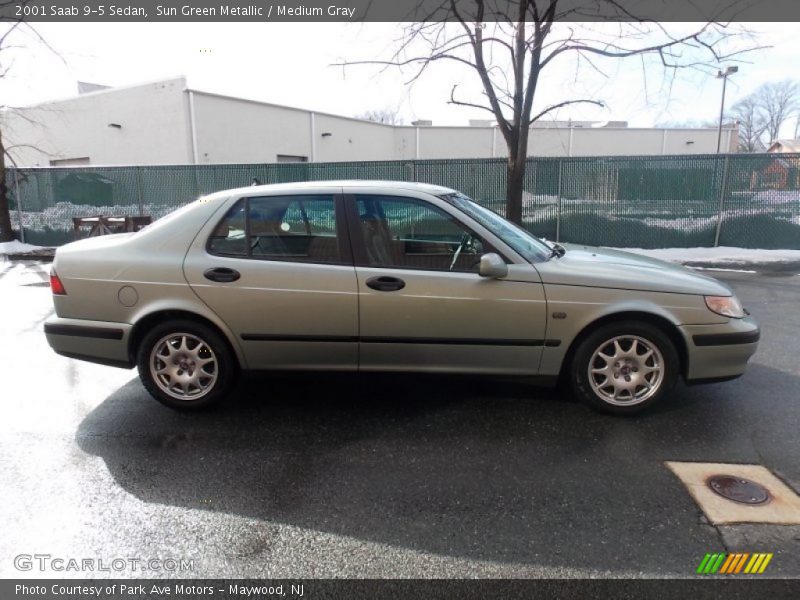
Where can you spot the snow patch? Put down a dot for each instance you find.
(16, 247)
(777, 197)
(684, 224)
(17, 274)
(720, 255)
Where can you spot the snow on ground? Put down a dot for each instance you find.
(16, 247)
(14, 273)
(777, 197)
(721, 256)
(681, 224)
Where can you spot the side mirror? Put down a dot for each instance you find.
(492, 266)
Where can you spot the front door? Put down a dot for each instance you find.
(423, 305)
(278, 270)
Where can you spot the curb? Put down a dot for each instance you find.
(770, 267)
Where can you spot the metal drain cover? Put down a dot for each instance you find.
(738, 489)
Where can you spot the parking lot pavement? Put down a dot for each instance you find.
(376, 476)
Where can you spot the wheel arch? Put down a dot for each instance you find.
(150, 320)
(669, 328)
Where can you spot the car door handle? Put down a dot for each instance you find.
(222, 274)
(385, 283)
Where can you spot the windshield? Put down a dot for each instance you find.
(530, 247)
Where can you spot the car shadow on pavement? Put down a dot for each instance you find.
(475, 468)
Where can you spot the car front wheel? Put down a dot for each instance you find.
(185, 365)
(623, 368)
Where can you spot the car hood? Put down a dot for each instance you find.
(602, 267)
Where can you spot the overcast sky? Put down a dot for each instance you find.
(291, 64)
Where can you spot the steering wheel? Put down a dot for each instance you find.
(462, 244)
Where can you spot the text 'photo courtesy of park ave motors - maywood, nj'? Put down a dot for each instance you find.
(158, 589)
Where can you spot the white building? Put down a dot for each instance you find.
(165, 122)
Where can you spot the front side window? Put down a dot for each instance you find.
(412, 234)
(530, 247)
(287, 228)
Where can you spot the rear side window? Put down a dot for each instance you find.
(229, 236)
(285, 228)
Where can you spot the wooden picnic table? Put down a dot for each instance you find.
(101, 225)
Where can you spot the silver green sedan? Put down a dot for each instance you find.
(385, 276)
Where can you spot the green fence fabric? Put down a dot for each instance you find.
(746, 200)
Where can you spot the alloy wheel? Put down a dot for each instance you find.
(183, 366)
(626, 370)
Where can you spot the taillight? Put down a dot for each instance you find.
(56, 286)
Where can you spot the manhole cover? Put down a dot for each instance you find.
(738, 489)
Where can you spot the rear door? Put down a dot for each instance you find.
(423, 305)
(278, 270)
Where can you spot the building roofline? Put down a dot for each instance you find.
(107, 91)
(187, 89)
(286, 107)
(411, 126)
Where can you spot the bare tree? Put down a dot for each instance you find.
(509, 45)
(752, 124)
(778, 102)
(9, 26)
(387, 116)
(6, 231)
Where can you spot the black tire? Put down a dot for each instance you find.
(600, 391)
(206, 385)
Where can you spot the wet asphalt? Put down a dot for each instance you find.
(380, 476)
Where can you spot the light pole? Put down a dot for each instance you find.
(724, 76)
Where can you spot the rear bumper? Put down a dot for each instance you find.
(719, 352)
(94, 341)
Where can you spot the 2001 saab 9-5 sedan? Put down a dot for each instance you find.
(385, 276)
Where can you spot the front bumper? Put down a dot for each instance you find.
(718, 352)
(94, 341)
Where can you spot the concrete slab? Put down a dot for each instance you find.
(783, 507)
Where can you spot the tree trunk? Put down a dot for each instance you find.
(6, 233)
(514, 189)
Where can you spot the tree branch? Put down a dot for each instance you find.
(553, 107)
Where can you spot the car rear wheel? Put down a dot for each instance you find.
(186, 365)
(623, 368)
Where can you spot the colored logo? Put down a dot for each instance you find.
(736, 563)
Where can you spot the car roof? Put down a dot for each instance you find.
(367, 183)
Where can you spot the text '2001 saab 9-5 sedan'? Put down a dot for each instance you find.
(385, 276)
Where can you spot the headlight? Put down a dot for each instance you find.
(727, 306)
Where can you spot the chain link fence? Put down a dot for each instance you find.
(745, 200)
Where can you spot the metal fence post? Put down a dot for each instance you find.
(721, 199)
(139, 190)
(558, 209)
(196, 178)
(19, 206)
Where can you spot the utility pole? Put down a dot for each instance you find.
(724, 76)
